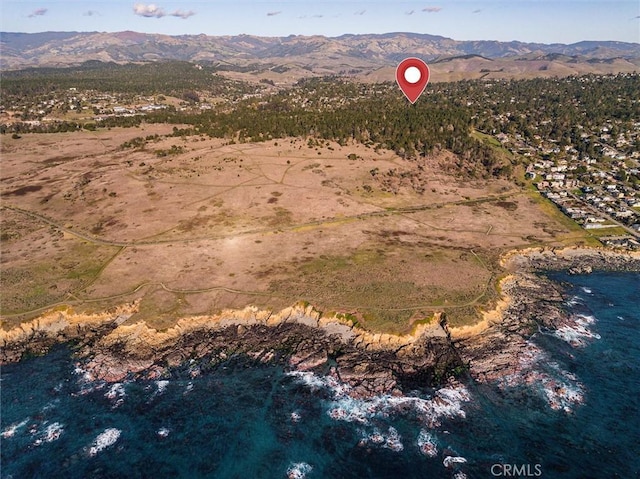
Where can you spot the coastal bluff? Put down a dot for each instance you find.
(298, 336)
(112, 348)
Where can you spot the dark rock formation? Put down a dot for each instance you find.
(298, 338)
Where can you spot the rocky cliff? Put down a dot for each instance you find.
(300, 338)
(371, 363)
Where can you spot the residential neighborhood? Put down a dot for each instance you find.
(592, 173)
(596, 192)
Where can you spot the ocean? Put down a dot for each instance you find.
(572, 411)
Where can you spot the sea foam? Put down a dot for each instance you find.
(10, 431)
(446, 402)
(116, 394)
(162, 386)
(449, 461)
(559, 388)
(105, 439)
(389, 440)
(299, 470)
(53, 432)
(576, 332)
(427, 443)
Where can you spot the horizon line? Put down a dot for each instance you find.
(315, 35)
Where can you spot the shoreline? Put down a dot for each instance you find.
(554, 259)
(529, 301)
(300, 337)
(573, 259)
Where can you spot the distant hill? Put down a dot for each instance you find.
(294, 55)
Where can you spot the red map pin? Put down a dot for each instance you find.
(412, 76)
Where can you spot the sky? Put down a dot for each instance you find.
(544, 21)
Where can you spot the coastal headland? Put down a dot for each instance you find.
(152, 246)
(303, 339)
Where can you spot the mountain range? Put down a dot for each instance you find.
(358, 54)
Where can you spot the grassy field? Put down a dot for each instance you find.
(613, 231)
(215, 225)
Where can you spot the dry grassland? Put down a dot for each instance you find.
(219, 225)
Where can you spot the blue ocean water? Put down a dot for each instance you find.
(572, 411)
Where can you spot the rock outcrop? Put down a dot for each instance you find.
(531, 302)
(534, 302)
(578, 260)
(299, 337)
(37, 336)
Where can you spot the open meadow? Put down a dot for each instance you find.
(193, 225)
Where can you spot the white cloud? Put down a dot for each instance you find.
(91, 13)
(38, 12)
(273, 14)
(154, 11)
(360, 12)
(182, 14)
(432, 9)
(148, 11)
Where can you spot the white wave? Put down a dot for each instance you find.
(562, 389)
(50, 405)
(575, 300)
(116, 393)
(314, 382)
(10, 431)
(576, 336)
(586, 290)
(559, 388)
(585, 318)
(83, 373)
(86, 381)
(299, 470)
(53, 432)
(163, 432)
(105, 439)
(162, 386)
(447, 402)
(350, 410)
(391, 440)
(561, 395)
(194, 370)
(295, 416)
(449, 461)
(427, 443)
(188, 388)
(577, 332)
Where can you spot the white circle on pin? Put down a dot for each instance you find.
(412, 75)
